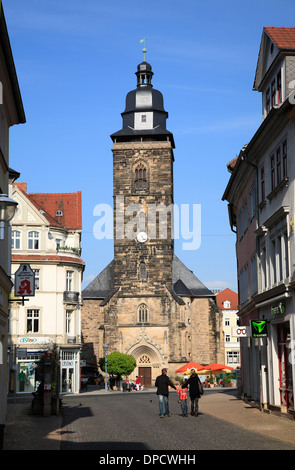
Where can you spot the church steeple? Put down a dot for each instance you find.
(144, 117)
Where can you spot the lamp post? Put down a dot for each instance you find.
(105, 347)
(7, 211)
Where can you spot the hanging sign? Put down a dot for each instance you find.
(24, 284)
(240, 331)
(278, 309)
(258, 328)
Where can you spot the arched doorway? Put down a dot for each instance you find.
(148, 362)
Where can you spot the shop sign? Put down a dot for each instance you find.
(278, 309)
(32, 340)
(241, 331)
(258, 328)
(24, 281)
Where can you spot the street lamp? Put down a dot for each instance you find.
(105, 347)
(7, 211)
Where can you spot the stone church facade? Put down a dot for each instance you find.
(146, 303)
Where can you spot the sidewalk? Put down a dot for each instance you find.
(24, 431)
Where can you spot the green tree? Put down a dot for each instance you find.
(118, 364)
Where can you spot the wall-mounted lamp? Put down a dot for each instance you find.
(7, 211)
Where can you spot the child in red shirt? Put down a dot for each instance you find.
(182, 393)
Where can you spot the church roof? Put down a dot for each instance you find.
(185, 283)
(100, 287)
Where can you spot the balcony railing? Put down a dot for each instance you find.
(71, 297)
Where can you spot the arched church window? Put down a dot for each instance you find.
(140, 177)
(143, 313)
(142, 272)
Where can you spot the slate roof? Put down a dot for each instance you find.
(185, 283)
(190, 284)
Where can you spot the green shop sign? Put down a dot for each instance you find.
(258, 328)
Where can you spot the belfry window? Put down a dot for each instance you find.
(143, 313)
(140, 178)
(142, 272)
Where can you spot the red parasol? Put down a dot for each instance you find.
(190, 365)
(217, 368)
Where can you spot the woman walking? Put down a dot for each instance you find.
(195, 391)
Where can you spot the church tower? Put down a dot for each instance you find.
(143, 191)
(146, 302)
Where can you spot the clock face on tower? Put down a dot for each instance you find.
(142, 237)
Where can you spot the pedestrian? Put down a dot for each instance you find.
(182, 394)
(137, 382)
(162, 383)
(195, 391)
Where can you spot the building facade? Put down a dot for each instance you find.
(146, 303)
(46, 235)
(227, 302)
(260, 193)
(11, 113)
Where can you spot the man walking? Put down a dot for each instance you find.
(194, 391)
(162, 383)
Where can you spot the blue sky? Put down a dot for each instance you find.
(76, 62)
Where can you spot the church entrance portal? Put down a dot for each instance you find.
(145, 376)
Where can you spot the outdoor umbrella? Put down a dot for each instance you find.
(216, 368)
(190, 365)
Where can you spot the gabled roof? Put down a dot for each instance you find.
(184, 283)
(100, 287)
(283, 37)
(190, 285)
(67, 205)
(227, 295)
(284, 40)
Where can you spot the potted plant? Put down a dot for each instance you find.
(211, 381)
(226, 381)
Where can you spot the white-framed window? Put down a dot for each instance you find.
(37, 279)
(243, 220)
(253, 273)
(69, 281)
(226, 321)
(233, 357)
(244, 284)
(33, 240)
(226, 304)
(227, 338)
(15, 240)
(33, 320)
(252, 203)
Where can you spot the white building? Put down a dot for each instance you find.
(46, 235)
(227, 301)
